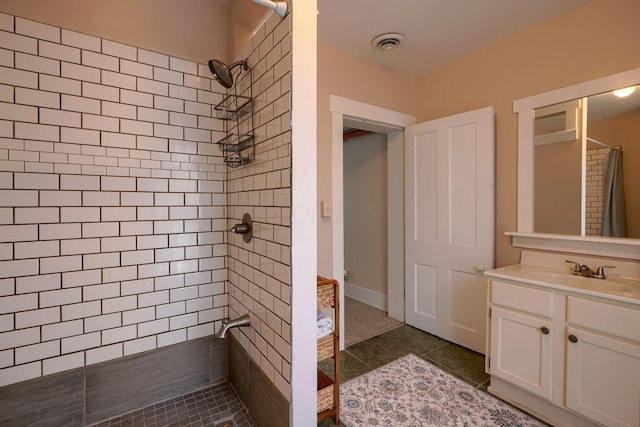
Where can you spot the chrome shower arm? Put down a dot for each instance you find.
(280, 7)
(244, 64)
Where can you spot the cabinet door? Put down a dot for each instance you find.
(521, 350)
(603, 378)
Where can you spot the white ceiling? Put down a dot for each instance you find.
(606, 106)
(436, 31)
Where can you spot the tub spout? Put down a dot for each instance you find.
(233, 323)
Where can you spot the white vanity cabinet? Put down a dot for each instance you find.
(603, 362)
(568, 358)
(521, 337)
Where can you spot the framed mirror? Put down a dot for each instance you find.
(587, 166)
(564, 138)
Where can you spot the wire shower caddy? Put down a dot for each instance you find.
(236, 112)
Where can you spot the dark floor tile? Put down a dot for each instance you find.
(377, 351)
(350, 367)
(328, 422)
(484, 386)
(465, 363)
(327, 365)
(415, 340)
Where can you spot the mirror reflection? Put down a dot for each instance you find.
(587, 166)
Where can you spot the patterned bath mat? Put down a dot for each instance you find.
(411, 392)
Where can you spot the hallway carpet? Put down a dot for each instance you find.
(362, 321)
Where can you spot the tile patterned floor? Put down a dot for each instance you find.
(370, 354)
(216, 406)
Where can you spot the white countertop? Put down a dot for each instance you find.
(619, 288)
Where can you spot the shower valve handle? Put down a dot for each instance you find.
(245, 228)
(240, 228)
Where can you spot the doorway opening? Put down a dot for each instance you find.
(365, 217)
(357, 115)
(365, 235)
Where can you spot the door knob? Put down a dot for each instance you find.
(544, 330)
(480, 269)
(573, 338)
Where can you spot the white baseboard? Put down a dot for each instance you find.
(367, 296)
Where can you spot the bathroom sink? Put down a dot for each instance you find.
(542, 274)
(609, 286)
(548, 275)
(617, 285)
(625, 281)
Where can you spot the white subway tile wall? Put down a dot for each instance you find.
(112, 204)
(594, 208)
(259, 271)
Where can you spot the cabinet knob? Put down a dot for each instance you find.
(573, 338)
(544, 330)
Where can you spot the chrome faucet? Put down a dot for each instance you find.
(585, 271)
(580, 270)
(600, 273)
(232, 323)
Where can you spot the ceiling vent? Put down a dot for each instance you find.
(387, 41)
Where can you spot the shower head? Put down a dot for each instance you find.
(222, 74)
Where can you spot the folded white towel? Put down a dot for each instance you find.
(325, 324)
(324, 331)
(323, 319)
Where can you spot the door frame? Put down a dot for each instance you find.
(392, 123)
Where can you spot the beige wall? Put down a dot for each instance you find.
(244, 15)
(365, 206)
(594, 40)
(345, 75)
(547, 56)
(558, 187)
(188, 29)
(625, 132)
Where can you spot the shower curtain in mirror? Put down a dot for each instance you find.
(614, 221)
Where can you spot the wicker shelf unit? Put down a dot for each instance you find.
(329, 347)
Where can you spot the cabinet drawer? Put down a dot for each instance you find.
(522, 298)
(611, 319)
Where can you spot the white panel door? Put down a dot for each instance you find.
(449, 225)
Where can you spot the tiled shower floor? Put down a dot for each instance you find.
(216, 406)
